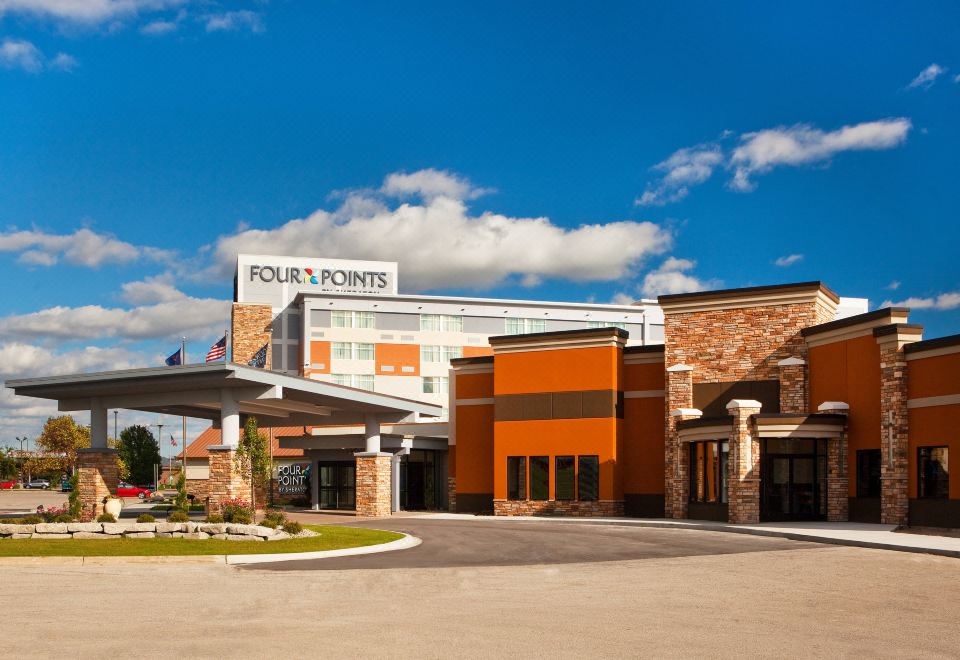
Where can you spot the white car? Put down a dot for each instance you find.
(37, 483)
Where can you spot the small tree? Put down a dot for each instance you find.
(139, 452)
(180, 501)
(74, 506)
(61, 438)
(253, 458)
(8, 465)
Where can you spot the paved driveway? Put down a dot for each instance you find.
(461, 543)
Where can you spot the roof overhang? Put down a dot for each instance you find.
(195, 390)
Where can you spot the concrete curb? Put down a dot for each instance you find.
(400, 544)
(718, 527)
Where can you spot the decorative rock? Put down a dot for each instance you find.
(84, 527)
(51, 528)
(265, 532)
(140, 535)
(94, 535)
(167, 527)
(16, 529)
(213, 528)
(40, 535)
(21, 535)
(240, 529)
(176, 535)
(219, 537)
(196, 535)
(190, 527)
(142, 527)
(114, 528)
(279, 536)
(243, 537)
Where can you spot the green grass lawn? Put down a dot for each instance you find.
(331, 538)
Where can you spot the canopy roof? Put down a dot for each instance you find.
(196, 390)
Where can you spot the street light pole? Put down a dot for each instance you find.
(160, 442)
(115, 436)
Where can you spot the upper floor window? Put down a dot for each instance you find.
(429, 353)
(348, 319)
(359, 381)
(452, 353)
(436, 384)
(346, 350)
(606, 324)
(441, 323)
(525, 326)
(933, 473)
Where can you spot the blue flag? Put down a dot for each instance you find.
(260, 358)
(175, 359)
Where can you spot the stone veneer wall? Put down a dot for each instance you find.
(225, 482)
(252, 328)
(744, 489)
(373, 485)
(838, 480)
(600, 508)
(793, 388)
(894, 504)
(451, 494)
(679, 395)
(97, 477)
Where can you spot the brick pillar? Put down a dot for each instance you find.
(793, 385)
(744, 488)
(373, 484)
(679, 381)
(452, 494)
(225, 481)
(252, 328)
(838, 467)
(681, 472)
(97, 477)
(894, 505)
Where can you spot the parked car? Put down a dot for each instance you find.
(129, 490)
(43, 484)
(65, 486)
(8, 485)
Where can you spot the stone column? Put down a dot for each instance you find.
(314, 484)
(97, 477)
(838, 467)
(894, 503)
(373, 484)
(679, 382)
(793, 385)
(395, 482)
(681, 472)
(744, 487)
(226, 482)
(252, 329)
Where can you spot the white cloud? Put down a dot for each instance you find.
(172, 318)
(788, 260)
(673, 277)
(158, 289)
(440, 243)
(802, 144)
(941, 302)
(430, 183)
(622, 299)
(893, 286)
(927, 77)
(684, 168)
(20, 54)
(62, 62)
(231, 21)
(83, 247)
(91, 12)
(155, 28)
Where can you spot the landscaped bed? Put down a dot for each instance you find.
(330, 538)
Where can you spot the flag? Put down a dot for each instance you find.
(173, 441)
(218, 351)
(260, 358)
(176, 358)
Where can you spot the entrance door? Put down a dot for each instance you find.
(793, 479)
(338, 485)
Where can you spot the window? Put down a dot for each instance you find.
(348, 319)
(452, 353)
(436, 384)
(564, 478)
(345, 350)
(868, 473)
(525, 326)
(539, 477)
(934, 473)
(606, 324)
(441, 322)
(708, 471)
(359, 381)
(588, 478)
(429, 353)
(516, 477)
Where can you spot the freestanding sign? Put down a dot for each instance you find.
(293, 479)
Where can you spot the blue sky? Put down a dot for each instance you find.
(542, 150)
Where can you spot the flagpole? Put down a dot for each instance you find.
(183, 418)
(228, 346)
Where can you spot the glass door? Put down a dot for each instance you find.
(793, 479)
(338, 485)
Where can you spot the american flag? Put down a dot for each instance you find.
(218, 351)
(173, 441)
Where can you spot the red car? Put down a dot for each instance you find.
(129, 490)
(7, 485)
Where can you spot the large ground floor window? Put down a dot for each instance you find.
(708, 471)
(933, 478)
(868, 473)
(574, 478)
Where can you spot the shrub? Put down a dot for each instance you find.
(32, 520)
(57, 514)
(241, 518)
(215, 518)
(276, 515)
(238, 511)
(106, 518)
(180, 500)
(62, 518)
(145, 517)
(292, 527)
(178, 516)
(73, 499)
(268, 522)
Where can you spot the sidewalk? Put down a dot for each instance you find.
(863, 535)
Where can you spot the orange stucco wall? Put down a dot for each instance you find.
(849, 371)
(934, 376)
(474, 386)
(398, 356)
(319, 354)
(565, 370)
(935, 425)
(474, 449)
(642, 455)
(568, 437)
(477, 351)
(643, 377)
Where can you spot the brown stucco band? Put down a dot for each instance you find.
(558, 405)
(876, 315)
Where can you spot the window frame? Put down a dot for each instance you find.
(719, 476)
(580, 460)
(545, 460)
(519, 471)
(922, 478)
(863, 459)
(573, 478)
